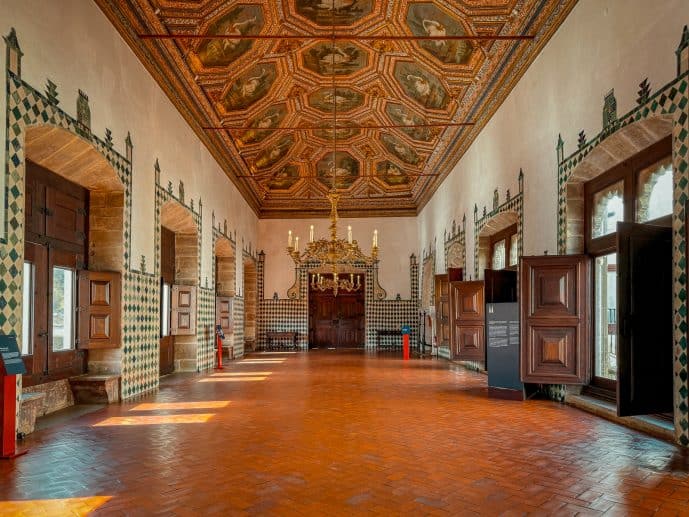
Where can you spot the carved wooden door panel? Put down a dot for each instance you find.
(467, 320)
(645, 334)
(554, 292)
(442, 309)
(100, 308)
(350, 316)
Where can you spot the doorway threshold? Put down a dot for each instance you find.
(649, 424)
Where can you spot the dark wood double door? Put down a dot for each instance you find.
(556, 319)
(461, 310)
(336, 321)
(55, 249)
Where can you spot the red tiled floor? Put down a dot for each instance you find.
(327, 433)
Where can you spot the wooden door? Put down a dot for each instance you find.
(501, 285)
(55, 247)
(644, 331)
(442, 310)
(467, 321)
(554, 292)
(223, 314)
(336, 321)
(350, 317)
(167, 271)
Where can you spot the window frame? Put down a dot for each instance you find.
(627, 171)
(504, 234)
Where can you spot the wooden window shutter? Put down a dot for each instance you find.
(223, 313)
(183, 306)
(100, 309)
(554, 295)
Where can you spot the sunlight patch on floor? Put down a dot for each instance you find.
(203, 404)
(234, 379)
(194, 418)
(240, 374)
(68, 506)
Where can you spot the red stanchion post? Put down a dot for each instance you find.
(406, 330)
(11, 365)
(220, 353)
(9, 401)
(219, 335)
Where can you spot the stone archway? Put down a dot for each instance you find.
(179, 219)
(250, 291)
(615, 149)
(225, 287)
(492, 226)
(77, 160)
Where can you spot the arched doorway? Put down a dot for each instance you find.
(225, 285)
(179, 269)
(73, 257)
(250, 289)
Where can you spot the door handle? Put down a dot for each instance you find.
(43, 333)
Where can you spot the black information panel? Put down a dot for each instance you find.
(502, 340)
(10, 356)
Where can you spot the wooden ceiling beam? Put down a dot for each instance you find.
(336, 37)
(347, 126)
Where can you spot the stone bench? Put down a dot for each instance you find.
(31, 406)
(95, 389)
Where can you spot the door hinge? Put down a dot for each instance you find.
(45, 211)
(81, 211)
(80, 235)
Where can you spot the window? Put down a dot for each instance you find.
(504, 248)
(608, 209)
(514, 250)
(27, 309)
(165, 311)
(498, 261)
(638, 190)
(654, 196)
(64, 297)
(605, 314)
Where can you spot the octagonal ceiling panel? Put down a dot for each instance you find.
(344, 131)
(263, 124)
(285, 178)
(403, 116)
(400, 149)
(273, 154)
(421, 85)
(240, 20)
(391, 174)
(342, 171)
(327, 13)
(249, 87)
(427, 19)
(340, 100)
(338, 58)
(391, 106)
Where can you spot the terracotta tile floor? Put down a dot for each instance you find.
(329, 433)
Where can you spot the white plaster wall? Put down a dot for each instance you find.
(397, 240)
(73, 43)
(603, 44)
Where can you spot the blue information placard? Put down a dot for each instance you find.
(10, 356)
(406, 329)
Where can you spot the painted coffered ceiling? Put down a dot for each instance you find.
(378, 119)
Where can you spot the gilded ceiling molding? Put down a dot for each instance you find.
(393, 99)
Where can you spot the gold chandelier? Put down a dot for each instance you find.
(340, 257)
